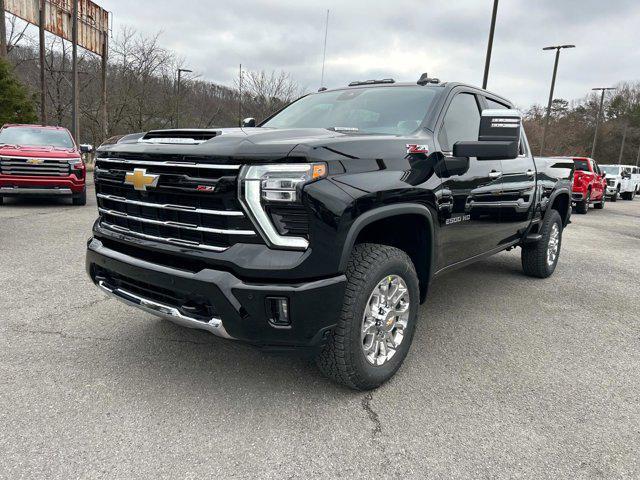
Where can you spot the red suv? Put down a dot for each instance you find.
(589, 185)
(41, 161)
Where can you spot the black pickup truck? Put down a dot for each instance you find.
(322, 228)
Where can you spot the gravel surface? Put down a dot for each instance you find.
(508, 376)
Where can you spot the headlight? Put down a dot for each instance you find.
(282, 184)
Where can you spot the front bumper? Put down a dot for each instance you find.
(612, 190)
(236, 309)
(11, 185)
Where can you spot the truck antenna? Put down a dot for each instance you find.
(324, 53)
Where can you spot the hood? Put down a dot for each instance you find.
(34, 151)
(239, 144)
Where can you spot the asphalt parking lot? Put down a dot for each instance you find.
(508, 377)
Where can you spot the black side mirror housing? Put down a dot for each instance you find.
(249, 122)
(491, 150)
(86, 148)
(498, 138)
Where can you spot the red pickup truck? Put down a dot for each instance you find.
(41, 161)
(589, 185)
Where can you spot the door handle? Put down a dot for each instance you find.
(530, 173)
(494, 174)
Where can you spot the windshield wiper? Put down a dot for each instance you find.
(344, 129)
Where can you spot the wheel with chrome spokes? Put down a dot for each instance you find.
(385, 319)
(378, 318)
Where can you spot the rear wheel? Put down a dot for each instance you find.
(378, 318)
(80, 198)
(540, 259)
(583, 207)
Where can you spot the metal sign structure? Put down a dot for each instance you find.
(93, 20)
(83, 23)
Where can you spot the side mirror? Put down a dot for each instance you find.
(498, 138)
(86, 148)
(249, 122)
(491, 150)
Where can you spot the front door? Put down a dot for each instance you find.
(469, 221)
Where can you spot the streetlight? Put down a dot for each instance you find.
(180, 72)
(595, 134)
(557, 48)
(492, 30)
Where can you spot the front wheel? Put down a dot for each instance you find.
(583, 207)
(375, 329)
(80, 198)
(614, 197)
(540, 259)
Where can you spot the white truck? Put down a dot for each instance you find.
(622, 181)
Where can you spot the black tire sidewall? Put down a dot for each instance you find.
(371, 375)
(553, 218)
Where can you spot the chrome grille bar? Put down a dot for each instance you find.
(210, 166)
(185, 226)
(173, 241)
(178, 208)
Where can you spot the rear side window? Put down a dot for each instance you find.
(461, 123)
(582, 165)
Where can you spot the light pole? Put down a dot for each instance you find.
(180, 72)
(638, 158)
(557, 48)
(492, 30)
(595, 134)
(624, 139)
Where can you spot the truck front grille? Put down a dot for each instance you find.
(193, 204)
(21, 166)
(611, 182)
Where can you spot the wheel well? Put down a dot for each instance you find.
(562, 204)
(408, 232)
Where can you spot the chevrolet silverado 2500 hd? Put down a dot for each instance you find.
(322, 228)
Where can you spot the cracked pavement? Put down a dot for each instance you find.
(508, 376)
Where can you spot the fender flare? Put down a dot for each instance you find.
(380, 213)
(552, 198)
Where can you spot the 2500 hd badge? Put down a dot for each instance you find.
(323, 228)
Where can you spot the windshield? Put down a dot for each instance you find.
(391, 110)
(612, 170)
(36, 137)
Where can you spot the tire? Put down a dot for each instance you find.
(614, 197)
(1, 200)
(600, 204)
(626, 196)
(343, 358)
(535, 258)
(80, 198)
(583, 207)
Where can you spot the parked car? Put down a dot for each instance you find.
(322, 229)
(41, 161)
(589, 185)
(622, 181)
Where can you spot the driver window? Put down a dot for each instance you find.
(461, 123)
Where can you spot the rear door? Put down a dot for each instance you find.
(470, 223)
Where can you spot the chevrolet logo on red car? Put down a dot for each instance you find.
(35, 161)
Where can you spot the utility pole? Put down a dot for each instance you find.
(43, 79)
(180, 72)
(3, 32)
(553, 86)
(638, 158)
(240, 96)
(487, 61)
(595, 134)
(75, 107)
(105, 64)
(624, 139)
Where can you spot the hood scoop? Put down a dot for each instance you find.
(180, 136)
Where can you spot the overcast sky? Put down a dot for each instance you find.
(400, 39)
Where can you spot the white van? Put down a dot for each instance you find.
(622, 181)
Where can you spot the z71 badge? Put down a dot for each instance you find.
(413, 149)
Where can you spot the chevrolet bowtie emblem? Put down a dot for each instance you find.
(35, 161)
(140, 179)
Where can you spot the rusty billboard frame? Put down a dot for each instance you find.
(93, 20)
(84, 24)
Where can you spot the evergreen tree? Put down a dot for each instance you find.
(16, 105)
